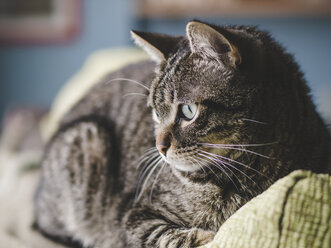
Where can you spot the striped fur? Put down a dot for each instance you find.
(102, 187)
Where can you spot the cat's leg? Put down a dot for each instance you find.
(75, 183)
(149, 228)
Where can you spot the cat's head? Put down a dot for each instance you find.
(207, 97)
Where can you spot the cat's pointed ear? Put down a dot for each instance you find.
(158, 46)
(208, 42)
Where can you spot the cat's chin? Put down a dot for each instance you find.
(185, 167)
(181, 165)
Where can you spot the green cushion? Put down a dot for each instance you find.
(293, 212)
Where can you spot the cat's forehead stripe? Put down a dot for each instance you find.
(165, 85)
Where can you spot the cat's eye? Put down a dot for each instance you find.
(156, 116)
(189, 110)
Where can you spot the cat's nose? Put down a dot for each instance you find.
(162, 148)
(163, 143)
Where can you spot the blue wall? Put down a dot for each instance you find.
(34, 74)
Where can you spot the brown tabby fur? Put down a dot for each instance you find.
(255, 124)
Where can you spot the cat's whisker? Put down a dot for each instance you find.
(219, 166)
(207, 160)
(236, 147)
(146, 159)
(229, 166)
(240, 171)
(150, 150)
(193, 161)
(235, 168)
(144, 156)
(255, 121)
(144, 170)
(128, 80)
(225, 158)
(153, 167)
(247, 151)
(234, 161)
(146, 167)
(142, 179)
(135, 94)
(204, 162)
(155, 180)
(147, 152)
(148, 155)
(225, 165)
(151, 159)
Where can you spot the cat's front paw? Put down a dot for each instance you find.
(203, 237)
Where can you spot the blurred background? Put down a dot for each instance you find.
(44, 42)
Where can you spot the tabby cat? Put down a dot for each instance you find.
(160, 154)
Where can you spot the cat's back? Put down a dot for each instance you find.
(117, 94)
(120, 100)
